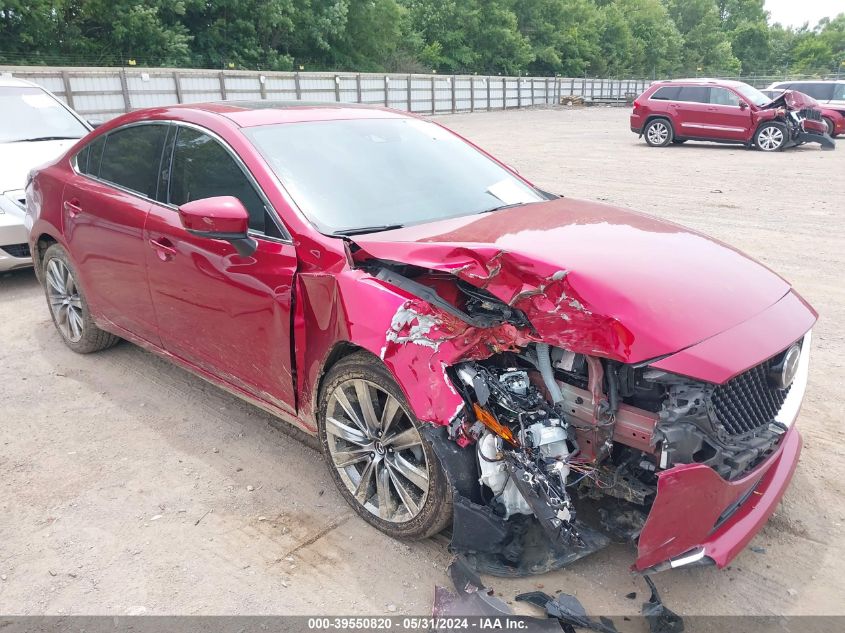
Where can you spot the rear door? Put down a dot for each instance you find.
(727, 119)
(104, 208)
(692, 112)
(228, 315)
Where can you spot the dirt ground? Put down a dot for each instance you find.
(130, 486)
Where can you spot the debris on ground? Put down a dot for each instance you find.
(659, 618)
(473, 598)
(568, 611)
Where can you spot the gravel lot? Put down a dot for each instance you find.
(129, 486)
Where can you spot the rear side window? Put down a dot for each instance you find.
(695, 94)
(723, 96)
(818, 91)
(132, 156)
(88, 160)
(202, 168)
(666, 93)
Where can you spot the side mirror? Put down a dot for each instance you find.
(743, 105)
(94, 123)
(219, 218)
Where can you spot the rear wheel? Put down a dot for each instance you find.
(378, 459)
(658, 133)
(770, 137)
(68, 307)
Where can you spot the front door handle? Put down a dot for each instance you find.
(72, 207)
(164, 248)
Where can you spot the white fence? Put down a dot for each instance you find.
(103, 93)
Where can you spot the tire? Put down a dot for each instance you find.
(658, 133)
(68, 306)
(831, 128)
(771, 137)
(402, 508)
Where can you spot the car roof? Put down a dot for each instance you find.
(254, 113)
(809, 81)
(12, 82)
(703, 81)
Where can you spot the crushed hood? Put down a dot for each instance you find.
(17, 159)
(590, 277)
(792, 100)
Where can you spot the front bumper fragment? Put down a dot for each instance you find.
(698, 517)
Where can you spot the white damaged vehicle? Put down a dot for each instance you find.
(35, 127)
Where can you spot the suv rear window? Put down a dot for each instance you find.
(695, 94)
(666, 93)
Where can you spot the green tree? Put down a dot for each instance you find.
(706, 47)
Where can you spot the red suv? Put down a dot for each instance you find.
(726, 112)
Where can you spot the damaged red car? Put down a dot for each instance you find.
(547, 375)
(723, 111)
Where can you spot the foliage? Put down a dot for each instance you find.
(541, 37)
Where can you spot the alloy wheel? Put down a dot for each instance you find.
(658, 133)
(770, 138)
(65, 302)
(377, 451)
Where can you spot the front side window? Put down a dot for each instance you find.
(202, 168)
(695, 94)
(88, 158)
(31, 114)
(723, 96)
(361, 174)
(839, 92)
(132, 156)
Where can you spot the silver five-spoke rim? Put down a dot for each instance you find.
(658, 133)
(770, 138)
(377, 451)
(64, 300)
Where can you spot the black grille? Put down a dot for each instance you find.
(748, 402)
(17, 250)
(810, 113)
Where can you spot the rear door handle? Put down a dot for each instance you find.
(164, 248)
(72, 207)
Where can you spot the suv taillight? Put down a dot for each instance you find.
(636, 105)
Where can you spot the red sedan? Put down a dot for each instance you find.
(544, 373)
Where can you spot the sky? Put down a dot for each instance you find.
(796, 12)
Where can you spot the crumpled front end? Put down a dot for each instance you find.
(563, 426)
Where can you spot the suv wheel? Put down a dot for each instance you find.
(382, 465)
(68, 307)
(770, 137)
(658, 133)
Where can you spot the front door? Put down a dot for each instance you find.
(104, 208)
(728, 120)
(228, 315)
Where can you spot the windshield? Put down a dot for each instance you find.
(382, 173)
(32, 114)
(752, 95)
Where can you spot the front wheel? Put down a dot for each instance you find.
(658, 133)
(770, 137)
(831, 128)
(378, 459)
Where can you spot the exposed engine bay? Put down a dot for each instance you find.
(555, 431)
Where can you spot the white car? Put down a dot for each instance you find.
(35, 127)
